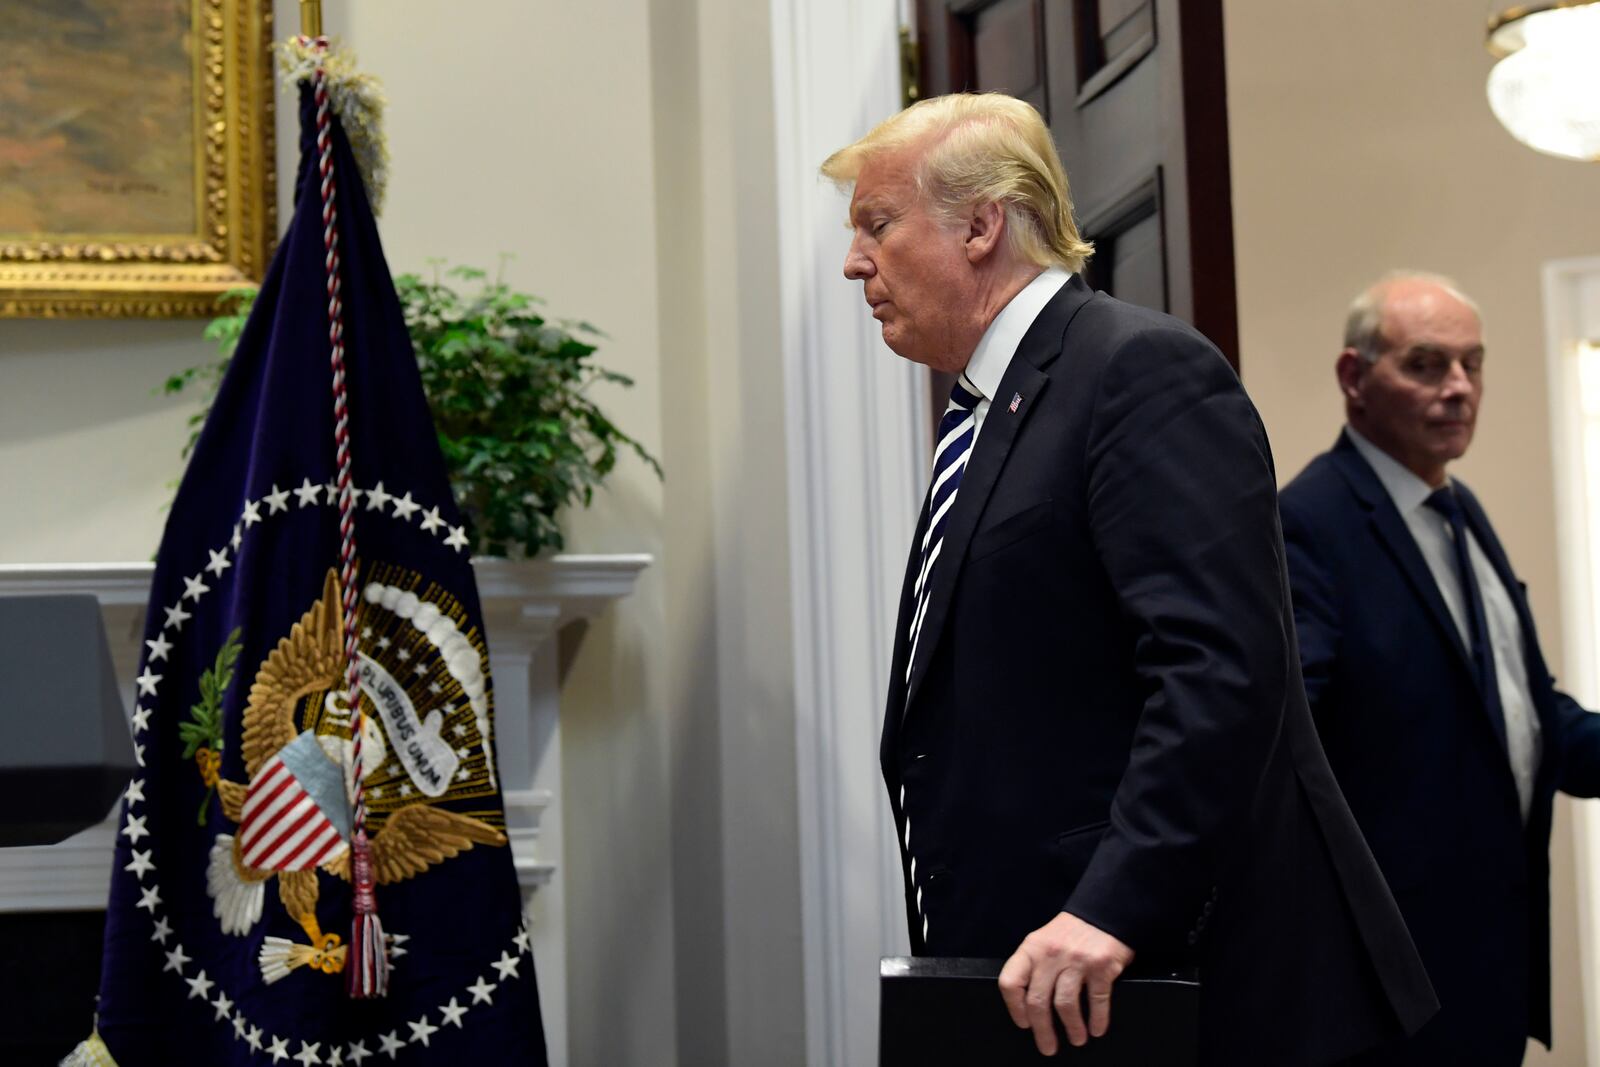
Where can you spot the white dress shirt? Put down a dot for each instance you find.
(1434, 537)
(999, 342)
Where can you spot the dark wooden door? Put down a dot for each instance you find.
(1134, 92)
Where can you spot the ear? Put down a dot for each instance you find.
(1350, 368)
(985, 230)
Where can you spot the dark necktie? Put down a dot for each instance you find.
(957, 430)
(1446, 503)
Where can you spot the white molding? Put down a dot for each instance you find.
(854, 415)
(525, 604)
(1572, 313)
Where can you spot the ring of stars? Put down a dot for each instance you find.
(135, 827)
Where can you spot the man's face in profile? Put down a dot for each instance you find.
(911, 261)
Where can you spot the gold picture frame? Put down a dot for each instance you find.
(147, 204)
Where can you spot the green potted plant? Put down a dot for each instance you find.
(508, 388)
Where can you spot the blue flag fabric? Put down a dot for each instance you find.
(230, 902)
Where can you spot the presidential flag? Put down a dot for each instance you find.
(279, 842)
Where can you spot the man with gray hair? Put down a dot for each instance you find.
(1425, 677)
(1096, 744)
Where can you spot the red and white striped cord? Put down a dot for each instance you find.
(366, 964)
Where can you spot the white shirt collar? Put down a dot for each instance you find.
(999, 342)
(1408, 491)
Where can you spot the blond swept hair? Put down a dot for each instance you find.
(982, 148)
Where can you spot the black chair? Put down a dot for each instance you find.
(948, 1012)
(66, 755)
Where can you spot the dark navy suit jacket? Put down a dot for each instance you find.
(1422, 764)
(1105, 714)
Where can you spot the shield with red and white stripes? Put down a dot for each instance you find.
(296, 815)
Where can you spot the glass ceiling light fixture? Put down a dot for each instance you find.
(1545, 85)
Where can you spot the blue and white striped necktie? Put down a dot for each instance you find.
(957, 430)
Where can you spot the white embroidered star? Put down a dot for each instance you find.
(420, 669)
(309, 494)
(176, 960)
(233, 541)
(462, 752)
(308, 1053)
(136, 791)
(402, 655)
(134, 829)
(279, 1050)
(358, 1052)
(141, 719)
(355, 496)
(431, 520)
(405, 507)
(384, 643)
(176, 617)
(336, 1057)
(253, 1039)
(366, 633)
(219, 562)
(435, 688)
(507, 965)
(140, 865)
(147, 682)
(482, 992)
(391, 1045)
(332, 487)
(277, 500)
(463, 774)
(159, 647)
(194, 588)
(162, 931)
(421, 1031)
(452, 1014)
(397, 945)
(377, 499)
(252, 513)
(199, 986)
(375, 791)
(138, 754)
(150, 899)
(405, 789)
(458, 538)
(521, 940)
(223, 1006)
(239, 1023)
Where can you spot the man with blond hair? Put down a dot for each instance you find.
(1096, 743)
(1425, 676)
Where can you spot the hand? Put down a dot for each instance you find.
(1055, 966)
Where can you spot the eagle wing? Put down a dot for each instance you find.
(419, 836)
(309, 659)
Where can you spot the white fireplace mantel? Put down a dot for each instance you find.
(525, 604)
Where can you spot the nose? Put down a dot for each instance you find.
(1457, 382)
(857, 266)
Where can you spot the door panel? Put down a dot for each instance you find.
(1134, 93)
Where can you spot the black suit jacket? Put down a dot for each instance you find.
(1423, 766)
(1105, 714)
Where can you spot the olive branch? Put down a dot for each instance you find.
(202, 734)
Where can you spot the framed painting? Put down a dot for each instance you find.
(136, 155)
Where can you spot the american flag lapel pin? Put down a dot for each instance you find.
(1016, 402)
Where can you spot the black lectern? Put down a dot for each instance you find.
(948, 1012)
(65, 755)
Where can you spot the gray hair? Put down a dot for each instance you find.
(1363, 326)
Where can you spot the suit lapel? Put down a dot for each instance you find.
(1396, 536)
(1025, 378)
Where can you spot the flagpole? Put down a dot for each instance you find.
(311, 18)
